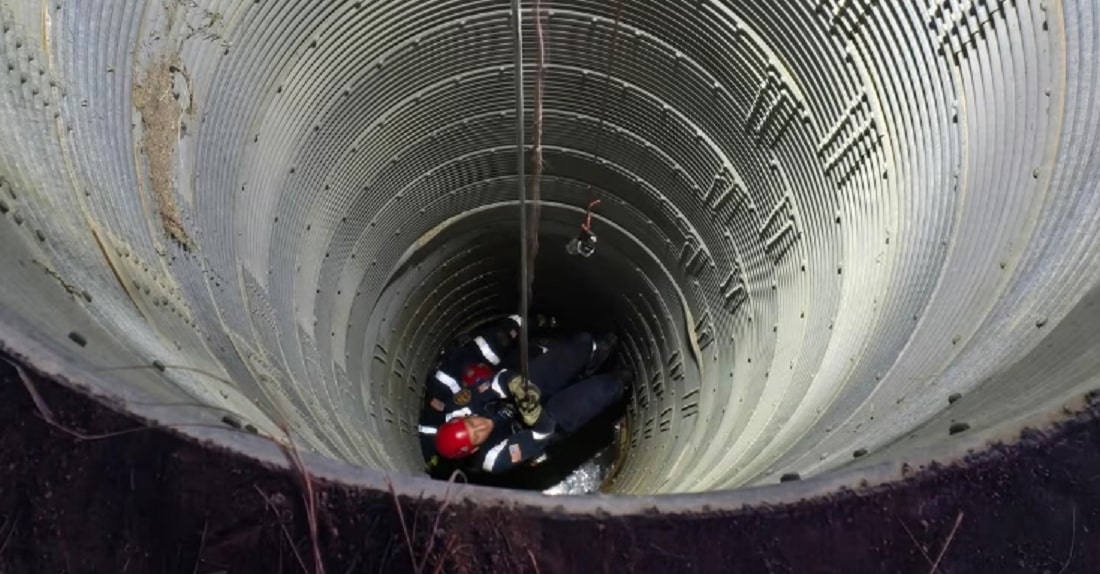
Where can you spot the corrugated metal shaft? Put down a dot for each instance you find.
(833, 232)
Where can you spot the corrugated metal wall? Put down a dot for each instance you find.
(820, 219)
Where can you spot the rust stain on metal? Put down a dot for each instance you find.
(160, 118)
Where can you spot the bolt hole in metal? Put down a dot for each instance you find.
(777, 294)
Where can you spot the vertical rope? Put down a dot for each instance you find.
(536, 145)
(531, 243)
(521, 160)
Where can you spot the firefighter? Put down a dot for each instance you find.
(465, 366)
(510, 421)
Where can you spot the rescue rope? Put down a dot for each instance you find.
(532, 236)
(528, 236)
(529, 222)
(536, 146)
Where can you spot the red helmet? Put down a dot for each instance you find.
(453, 440)
(476, 373)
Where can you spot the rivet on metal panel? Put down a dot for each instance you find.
(957, 428)
(78, 339)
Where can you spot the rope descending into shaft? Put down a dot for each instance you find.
(517, 38)
(528, 230)
(536, 146)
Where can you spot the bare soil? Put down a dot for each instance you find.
(151, 501)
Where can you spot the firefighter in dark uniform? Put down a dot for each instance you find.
(462, 368)
(509, 421)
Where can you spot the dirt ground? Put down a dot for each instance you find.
(150, 501)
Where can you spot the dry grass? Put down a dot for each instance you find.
(282, 524)
(411, 536)
(534, 563)
(309, 497)
(48, 416)
(202, 543)
(7, 538)
(404, 527)
(303, 478)
(1072, 541)
(947, 544)
(935, 564)
(917, 544)
(289, 448)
